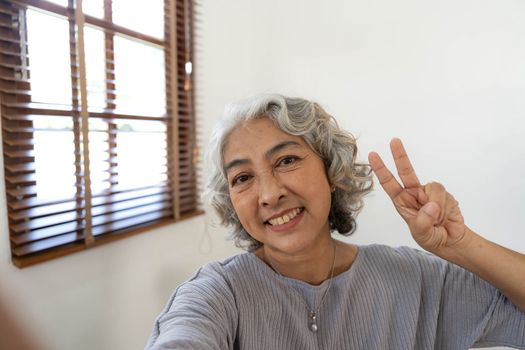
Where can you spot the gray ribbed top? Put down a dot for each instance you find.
(391, 298)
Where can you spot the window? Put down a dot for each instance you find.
(97, 121)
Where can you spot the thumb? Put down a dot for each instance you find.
(426, 217)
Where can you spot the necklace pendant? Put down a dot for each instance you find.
(313, 322)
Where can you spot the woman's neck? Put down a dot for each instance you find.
(329, 258)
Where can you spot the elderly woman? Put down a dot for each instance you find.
(285, 178)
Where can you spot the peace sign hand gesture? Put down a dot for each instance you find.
(432, 214)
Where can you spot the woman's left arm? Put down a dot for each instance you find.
(501, 267)
(436, 223)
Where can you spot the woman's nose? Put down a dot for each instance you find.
(271, 190)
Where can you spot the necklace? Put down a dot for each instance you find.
(314, 312)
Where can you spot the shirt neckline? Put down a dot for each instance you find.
(268, 271)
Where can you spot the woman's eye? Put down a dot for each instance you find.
(288, 160)
(240, 179)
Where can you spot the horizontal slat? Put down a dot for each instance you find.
(49, 243)
(18, 129)
(5, 51)
(125, 218)
(186, 176)
(33, 117)
(10, 40)
(13, 79)
(17, 92)
(127, 195)
(189, 191)
(184, 118)
(131, 222)
(46, 221)
(46, 108)
(129, 213)
(185, 200)
(47, 232)
(132, 203)
(22, 191)
(37, 202)
(19, 153)
(16, 67)
(189, 204)
(186, 124)
(7, 7)
(20, 179)
(20, 168)
(188, 208)
(108, 114)
(19, 142)
(27, 166)
(6, 23)
(45, 210)
(182, 95)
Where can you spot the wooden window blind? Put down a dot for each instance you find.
(98, 127)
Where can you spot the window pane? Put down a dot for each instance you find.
(95, 70)
(49, 59)
(141, 16)
(141, 153)
(139, 77)
(93, 8)
(54, 158)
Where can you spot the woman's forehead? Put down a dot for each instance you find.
(256, 136)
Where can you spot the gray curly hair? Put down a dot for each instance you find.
(295, 116)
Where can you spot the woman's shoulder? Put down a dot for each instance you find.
(399, 253)
(220, 273)
(393, 260)
(226, 266)
(211, 283)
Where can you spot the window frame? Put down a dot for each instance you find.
(15, 99)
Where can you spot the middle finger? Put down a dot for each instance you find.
(404, 167)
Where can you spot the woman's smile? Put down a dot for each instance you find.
(287, 221)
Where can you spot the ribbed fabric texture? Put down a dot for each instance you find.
(391, 298)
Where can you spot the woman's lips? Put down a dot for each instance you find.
(284, 217)
(288, 225)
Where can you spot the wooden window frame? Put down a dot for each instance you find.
(18, 114)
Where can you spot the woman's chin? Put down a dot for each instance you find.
(291, 245)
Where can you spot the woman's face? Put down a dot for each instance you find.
(278, 187)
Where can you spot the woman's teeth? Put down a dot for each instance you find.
(285, 218)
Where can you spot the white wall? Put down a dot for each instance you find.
(107, 298)
(446, 76)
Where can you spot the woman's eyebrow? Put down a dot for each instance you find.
(234, 163)
(278, 147)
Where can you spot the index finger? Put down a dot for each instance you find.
(385, 177)
(404, 167)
